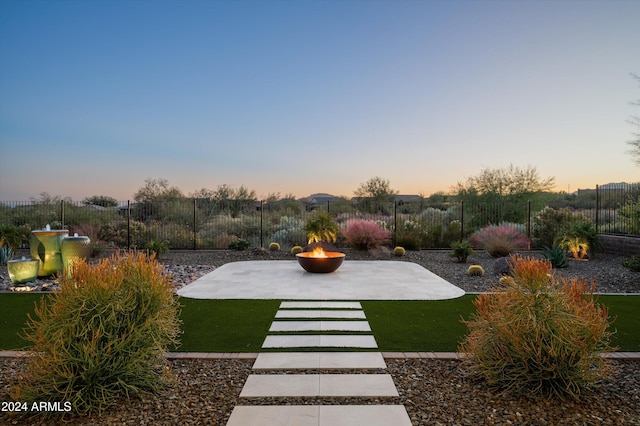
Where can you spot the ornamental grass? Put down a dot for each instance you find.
(103, 336)
(537, 335)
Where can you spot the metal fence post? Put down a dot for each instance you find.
(395, 221)
(195, 227)
(62, 213)
(529, 223)
(597, 209)
(261, 223)
(461, 220)
(128, 225)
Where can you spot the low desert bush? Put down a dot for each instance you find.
(549, 223)
(535, 335)
(500, 240)
(239, 244)
(461, 251)
(632, 263)
(103, 336)
(366, 234)
(580, 240)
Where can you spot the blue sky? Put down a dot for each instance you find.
(304, 96)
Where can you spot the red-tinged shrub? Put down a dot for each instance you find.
(366, 234)
(538, 336)
(500, 240)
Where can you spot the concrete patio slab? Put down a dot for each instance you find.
(319, 415)
(355, 280)
(320, 305)
(319, 341)
(318, 313)
(319, 360)
(314, 385)
(320, 326)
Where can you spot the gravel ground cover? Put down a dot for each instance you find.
(435, 392)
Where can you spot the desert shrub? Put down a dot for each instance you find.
(289, 231)
(580, 240)
(632, 263)
(630, 216)
(461, 250)
(475, 271)
(549, 223)
(103, 336)
(13, 236)
(158, 248)
(535, 335)
(365, 234)
(500, 240)
(239, 244)
(116, 234)
(555, 255)
(411, 234)
(222, 241)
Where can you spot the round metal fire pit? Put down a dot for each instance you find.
(320, 265)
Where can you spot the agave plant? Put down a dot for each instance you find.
(6, 253)
(556, 256)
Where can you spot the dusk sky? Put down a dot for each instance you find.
(306, 96)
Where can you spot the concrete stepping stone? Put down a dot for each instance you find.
(319, 415)
(319, 341)
(342, 314)
(320, 326)
(318, 360)
(319, 385)
(321, 305)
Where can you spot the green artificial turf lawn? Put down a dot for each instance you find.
(242, 325)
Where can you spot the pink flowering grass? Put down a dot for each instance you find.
(500, 240)
(366, 234)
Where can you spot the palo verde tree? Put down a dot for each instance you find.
(375, 195)
(501, 194)
(156, 198)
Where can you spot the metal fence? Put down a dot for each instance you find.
(417, 223)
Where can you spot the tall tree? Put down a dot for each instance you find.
(635, 120)
(375, 194)
(157, 190)
(506, 181)
(501, 195)
(101, 200)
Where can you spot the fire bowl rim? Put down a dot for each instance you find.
(325, 265)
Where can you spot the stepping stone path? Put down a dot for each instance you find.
(349, 352)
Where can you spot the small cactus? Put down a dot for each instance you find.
(274, 247)
(295, 250)
(399, 251)
(475, 271)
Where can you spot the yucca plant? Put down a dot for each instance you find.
(538, 336)
(103, 336)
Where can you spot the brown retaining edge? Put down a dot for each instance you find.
(620, 356)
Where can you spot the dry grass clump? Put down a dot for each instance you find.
(538, 336)
(103, 336)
